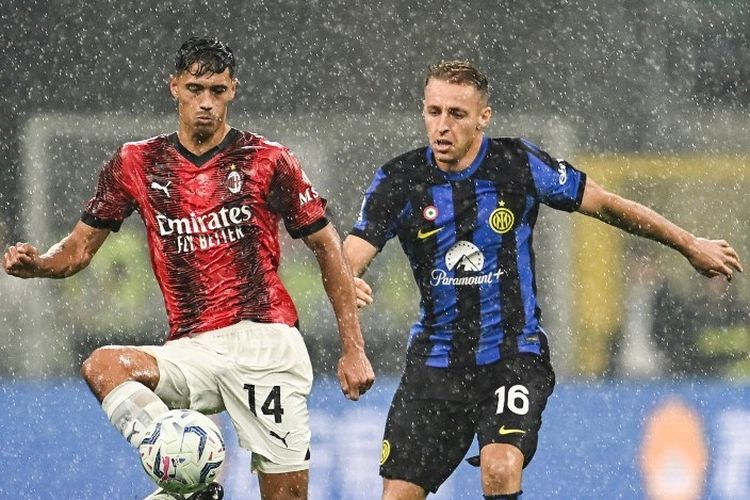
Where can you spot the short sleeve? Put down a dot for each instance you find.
(382, 205)
(295, 198)
(556, 182)
(112, 202)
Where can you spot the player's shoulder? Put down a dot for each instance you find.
(405, 164)
(519, 146)
(513, 143)
(263, 147)
(138, 147)
(247, 138)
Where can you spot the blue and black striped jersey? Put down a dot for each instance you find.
(468, 236)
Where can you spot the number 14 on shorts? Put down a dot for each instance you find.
(271, 405)
(515, 399)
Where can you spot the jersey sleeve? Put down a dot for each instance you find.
(112, 203)
(556, 182)
(295, 198)
(379, 215)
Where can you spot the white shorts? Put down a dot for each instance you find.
(260, 373)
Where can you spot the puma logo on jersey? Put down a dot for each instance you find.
(282, 439)
(156, 185)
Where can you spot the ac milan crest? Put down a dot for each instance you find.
(234, 179)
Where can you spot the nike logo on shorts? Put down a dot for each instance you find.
(503, 431)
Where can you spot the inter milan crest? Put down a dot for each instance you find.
(501, 219)
(234, 179)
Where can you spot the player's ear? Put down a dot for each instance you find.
(484, 116)
(233, 88)
(173, 86)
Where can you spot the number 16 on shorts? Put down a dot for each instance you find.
(515, 399)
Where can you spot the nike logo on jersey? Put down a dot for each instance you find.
(503, 431)
(426, 234)
(156, 185)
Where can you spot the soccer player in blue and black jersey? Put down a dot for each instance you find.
(464, 209)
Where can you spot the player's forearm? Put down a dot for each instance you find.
(63, 259)
(643, 221)
(73, 253)
(339, 286)
(634, 218)
(359, 253)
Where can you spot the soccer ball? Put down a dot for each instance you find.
(182, 451)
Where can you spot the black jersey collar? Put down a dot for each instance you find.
(199, 161)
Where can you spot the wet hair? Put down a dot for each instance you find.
(211, 56)
(461, 72)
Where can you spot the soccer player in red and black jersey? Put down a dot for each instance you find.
(211, 198)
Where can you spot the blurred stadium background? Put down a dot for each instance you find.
(649, 98)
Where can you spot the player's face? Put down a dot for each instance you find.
(203, 101)
(455, 116)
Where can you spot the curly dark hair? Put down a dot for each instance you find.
(211, 56)
(462, 72)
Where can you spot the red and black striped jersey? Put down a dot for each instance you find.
(212, 224)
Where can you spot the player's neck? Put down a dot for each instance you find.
(465, 160)
(198, 144)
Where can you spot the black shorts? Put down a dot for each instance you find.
(436, 413)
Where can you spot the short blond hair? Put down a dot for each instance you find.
(461, 72)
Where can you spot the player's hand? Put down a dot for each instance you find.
(21, 260)
(714, 258)
(355, 373)
(364, 293)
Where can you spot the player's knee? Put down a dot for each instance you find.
(502, 469)
(109, 363)
(93, 365)
(394, 489)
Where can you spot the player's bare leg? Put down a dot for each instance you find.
(501, 466)
(123, 380)
(110, 366)
(283, 486)
(396, 489)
